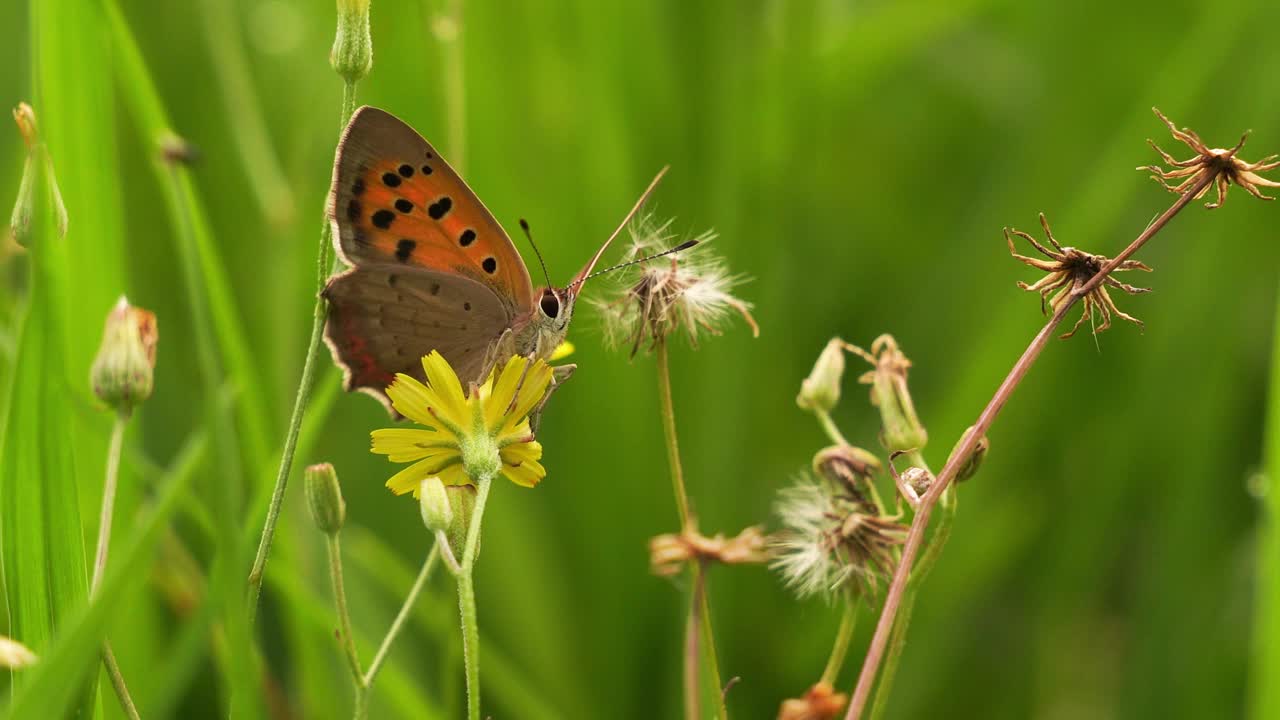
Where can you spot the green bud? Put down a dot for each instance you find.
(37, 163)
(462, 502)
(352, 54)
(122, 373)
(433, 501)
(324, 497)
(821, 390)
(974, 461)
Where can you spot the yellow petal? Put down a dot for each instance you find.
(408, 479)
(455, 475)
(527, 474)
(411, 399)
(562, 351)
(497, 402)
(404, 445)
(531, 393)
(444, 381)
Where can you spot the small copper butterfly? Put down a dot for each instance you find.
(430, 267)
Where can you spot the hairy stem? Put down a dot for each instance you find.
(669, 433)
(692, 649)
(324, 266)
(344, 621)
(117, 682)
(848, 619)
(467, 602)
(829, 426)
(920, 522)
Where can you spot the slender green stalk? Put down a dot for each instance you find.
(100, 556)
(699, 614)
(396, 625)
(324, 266)
(467, 602)
(108, 500)
(848, 619)
(344, 619)
(829, 426)
(448, 30)
(117, 682)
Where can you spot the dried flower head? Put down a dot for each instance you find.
(890, 393)
(668, 553)
(1218, 167)
(1070, 269)
(831, 540)
(689, 292)
(820, 702)
(850, 469)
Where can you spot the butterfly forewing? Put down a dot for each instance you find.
(383, 318)
(396, 201)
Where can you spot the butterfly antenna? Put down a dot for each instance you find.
(524, 225)
(644, 197)
(671, 251)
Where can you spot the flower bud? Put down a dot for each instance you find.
(820, 702)
(121, 375)
(974, 461)
(918, 479)
(845, 464)
(352, 54)
(324, 497)
(462, 503)
(14, 655)
(433, 501)
(821, 390)
(36, 168)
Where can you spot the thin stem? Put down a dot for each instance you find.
(467, 602)
(669, 433)
(848, 619)
(324, 266)
(396, 625)
(709, 645)
(448, 29)
(117, 682)
(829, 426)
(347, 638)
(108, 499)
(692, 691)
(100, 556)
(919, 524)
(699, 615)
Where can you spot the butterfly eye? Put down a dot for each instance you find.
(550, 305)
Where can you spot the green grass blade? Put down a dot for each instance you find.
(1266, 639)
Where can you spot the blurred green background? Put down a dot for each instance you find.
(859, 160)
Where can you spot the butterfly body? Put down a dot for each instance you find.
(430, 267)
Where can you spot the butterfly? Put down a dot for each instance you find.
(430, 267)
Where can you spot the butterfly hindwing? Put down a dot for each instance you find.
(395, 201)
(383, 318)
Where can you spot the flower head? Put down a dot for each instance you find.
(1218, 166)
(833, 540)
(691, 293)
(122, 372)
(891, 394)
(469, 435)
(820, 702)
(1070, 269)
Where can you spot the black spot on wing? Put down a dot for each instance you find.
(439, 208)
(391, 179)
(353, 210)
(404, 249)
(383, 219)
(406, 170)
(404, 206)
(467, 237)
(490, 265)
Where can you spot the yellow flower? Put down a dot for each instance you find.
(466, 436)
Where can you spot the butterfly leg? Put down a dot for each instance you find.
(559, 375)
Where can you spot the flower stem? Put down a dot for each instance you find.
(324, 267)
(467, 602)
(669, 432)
(919, 524)
(396, 625)
(829, 426)
(699, 615)
(117, 682)
(100, 556)
(108, 500)
(848, 619)
(344, 622)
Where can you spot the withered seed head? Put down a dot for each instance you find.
(1218, 165)
(1069, 269)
